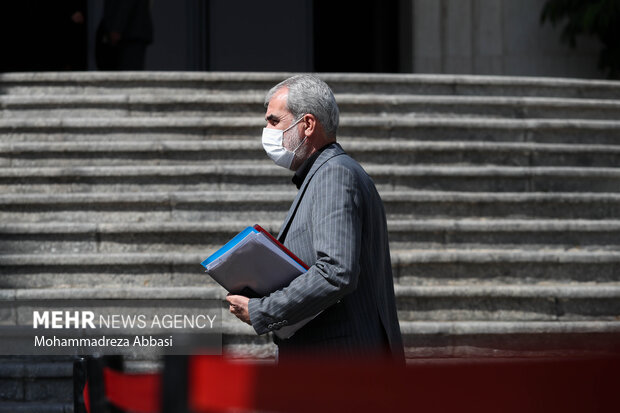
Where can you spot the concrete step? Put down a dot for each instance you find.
(204, 82)
(368, 127)
(201, 237)
(265, 177)
(139, 105)
(149, 206)
(483, 106)
(36, 407)
(530, 234)
(478, 339)
(252, 207)
(470, 339)
(572, 302)
(36, 385)
(512, 266)
(251, 104)
(410, 267)
(555, 302)
(427, 339)
(141, 153)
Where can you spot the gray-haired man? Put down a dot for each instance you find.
(336, 225)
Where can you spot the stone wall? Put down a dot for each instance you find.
(495, 37)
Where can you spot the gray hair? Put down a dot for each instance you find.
(309, 94)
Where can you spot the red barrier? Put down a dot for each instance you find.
(216, 384)
(86, 397)
(212, 384)
(137, 393)
(336, 386)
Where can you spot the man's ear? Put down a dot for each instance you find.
(311, 124)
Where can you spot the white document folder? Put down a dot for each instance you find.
(254, 264)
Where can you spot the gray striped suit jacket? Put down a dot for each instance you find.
(338, 227)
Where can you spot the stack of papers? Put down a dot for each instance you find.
(255, 264)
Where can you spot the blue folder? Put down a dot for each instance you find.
(238, 238)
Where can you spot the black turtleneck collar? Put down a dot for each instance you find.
(302, 171)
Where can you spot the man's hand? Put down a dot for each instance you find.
(77, 17)
(239, 307)
(115, 38)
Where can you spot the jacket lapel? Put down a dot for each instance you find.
(333, 150)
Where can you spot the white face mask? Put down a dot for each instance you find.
(272, 143)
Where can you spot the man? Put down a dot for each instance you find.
(336, 225)
(125, 30)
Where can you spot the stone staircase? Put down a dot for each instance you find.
(502, 196)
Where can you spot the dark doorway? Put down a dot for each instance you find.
(356, 36)
(250, 35)
(40, 35)
(272, 35)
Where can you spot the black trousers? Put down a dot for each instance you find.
(131, 55)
